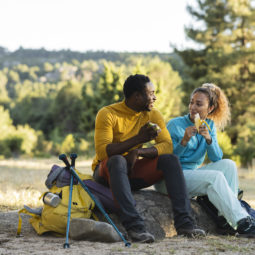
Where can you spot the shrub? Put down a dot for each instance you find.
(11, 146)
(29, 138)
(68, 145)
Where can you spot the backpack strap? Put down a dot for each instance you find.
(25, 211)
(37, 211)
(94, 216)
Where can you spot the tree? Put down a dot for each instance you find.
(167, 82)
(226, 56)
(5, 122)
(4, 98)
(110, 84)
(22, 139)
(104, 91)
(67, 108)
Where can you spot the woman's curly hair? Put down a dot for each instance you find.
(221, 112)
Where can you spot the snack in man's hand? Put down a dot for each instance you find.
(155, 126)
(199, 122)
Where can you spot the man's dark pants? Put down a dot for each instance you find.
(146, 172)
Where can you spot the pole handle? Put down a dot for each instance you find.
(64, 159)
(73, 156)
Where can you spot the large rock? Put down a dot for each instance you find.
(91, 230)
(154, 207)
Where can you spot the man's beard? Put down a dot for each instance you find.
(147, 108)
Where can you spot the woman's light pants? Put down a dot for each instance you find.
(219, 181)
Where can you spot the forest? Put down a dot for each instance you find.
(49, 99)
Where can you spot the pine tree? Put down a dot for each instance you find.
(225, 57)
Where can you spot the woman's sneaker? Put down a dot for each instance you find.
(223, 227)
(246, 227)
(139, 234)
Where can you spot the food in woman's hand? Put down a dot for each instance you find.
(199, 122)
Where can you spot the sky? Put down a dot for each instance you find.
(82, 25)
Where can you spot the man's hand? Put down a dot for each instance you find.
(131, 158)
(189, 132)
(203, 130)
(147, 133)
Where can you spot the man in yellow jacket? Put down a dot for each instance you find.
(122, 163)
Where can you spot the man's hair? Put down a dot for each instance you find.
(134, 83)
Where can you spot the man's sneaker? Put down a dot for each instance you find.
(191, 232)
(246, 227)
(139, 234)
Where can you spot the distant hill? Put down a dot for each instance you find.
(32, 57)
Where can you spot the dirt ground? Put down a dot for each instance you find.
(49, 245)
(21, 181)
(31, 243)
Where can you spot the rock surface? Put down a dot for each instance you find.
(156, 209)
(91, 230)
(157, 212)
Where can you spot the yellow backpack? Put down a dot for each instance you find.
(55, 218)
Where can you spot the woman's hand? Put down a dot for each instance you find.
(203, 130)
(189, 132)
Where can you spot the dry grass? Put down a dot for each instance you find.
(246, 183)
(22, 181)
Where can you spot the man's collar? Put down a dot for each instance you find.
(129, 110)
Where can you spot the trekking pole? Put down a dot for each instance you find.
(66, 244)
(64, 159)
